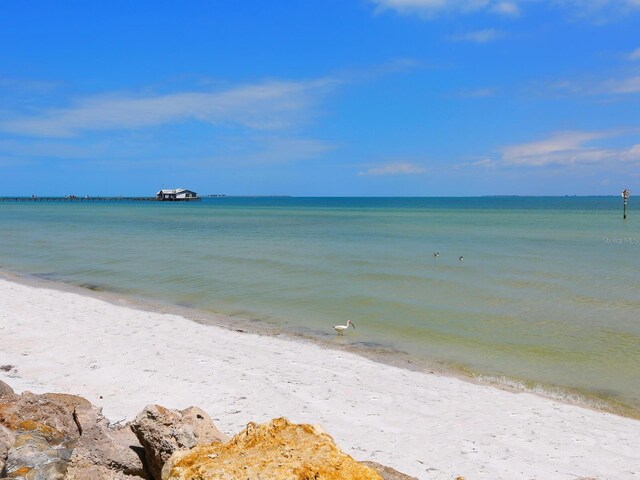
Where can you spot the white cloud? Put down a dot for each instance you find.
(430, 8)
(477, 93)
(394, 169)
(268, 105)
(565, 149)
(590, 7)
(509, 9)
(479, 36)
(598, 9)
(624, 86)
(594, 86)
(485, 163)
(559, 142)
(568, 148)
(632, 154)
(635, 55)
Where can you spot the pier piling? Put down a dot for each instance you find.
(625, 197)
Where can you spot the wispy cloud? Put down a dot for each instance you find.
(264, 106)
(366, 74)
(510, 9)
(568, 148)
(635, 55)
(477, 93)
(622, 86)
(431, 8)
(540, 151)
(599, 10)
(478, 36)
(485, 163)
(394, 169)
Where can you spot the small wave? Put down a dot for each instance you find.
(92, 286)
(562, 394)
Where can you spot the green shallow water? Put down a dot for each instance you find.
(548, 292)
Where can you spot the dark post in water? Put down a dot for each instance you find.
(625, 196)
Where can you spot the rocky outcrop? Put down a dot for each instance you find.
(52, 435)
(64, 437)
(278, 449)
(162, 432)
(388, 473)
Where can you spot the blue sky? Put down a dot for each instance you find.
(331, 97)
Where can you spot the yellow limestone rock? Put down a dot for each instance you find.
(278, 450)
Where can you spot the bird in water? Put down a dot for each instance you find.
(461, 258)
(436, 254)
(341, 328)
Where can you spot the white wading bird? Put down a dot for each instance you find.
(341, 328)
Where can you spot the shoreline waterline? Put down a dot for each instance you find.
(377, 353)
(431, 426)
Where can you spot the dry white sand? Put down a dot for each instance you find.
(430, 426)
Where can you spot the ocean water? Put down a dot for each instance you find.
(547, 297)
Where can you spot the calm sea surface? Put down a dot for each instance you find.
(548, 293)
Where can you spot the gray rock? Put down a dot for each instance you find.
(388, 473)
(32, 457)
(7, 439)
(5, 389)
(51, 410)
(45, 436)
(37, 435)
(162, 432)
(114, 451)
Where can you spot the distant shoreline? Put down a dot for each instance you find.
(213, 195)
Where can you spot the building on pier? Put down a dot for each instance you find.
(176, 194)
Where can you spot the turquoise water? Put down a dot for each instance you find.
(548, 292)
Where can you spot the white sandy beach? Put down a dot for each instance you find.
(430, 426)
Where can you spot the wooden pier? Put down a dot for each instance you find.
(87, 199)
